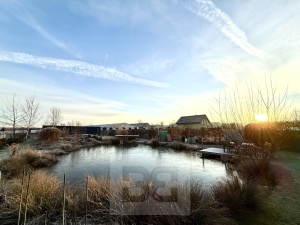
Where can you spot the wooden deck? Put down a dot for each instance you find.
(126, 135)
(215, 151)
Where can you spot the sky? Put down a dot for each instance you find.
(115, 61)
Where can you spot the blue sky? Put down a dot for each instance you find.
(122, 61)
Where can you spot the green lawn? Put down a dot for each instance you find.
(281, 205)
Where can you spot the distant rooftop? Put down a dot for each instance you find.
(141, 125)
(192, 119)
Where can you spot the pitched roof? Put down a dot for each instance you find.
(192, 119)
(114, 125)
(141, 124)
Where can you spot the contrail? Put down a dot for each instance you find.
(77, 67)
(208, 10)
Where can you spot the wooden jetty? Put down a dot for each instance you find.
(127, 135)
(122, 137)
(224, 155)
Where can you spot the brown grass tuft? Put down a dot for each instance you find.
(178, 145)
(236, 195)
(50, 134)
(45, 193)
(13, 165)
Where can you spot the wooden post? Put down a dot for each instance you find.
(21, 196)
(202, 142)
(86, 198)
(64, 200)
(26, 201)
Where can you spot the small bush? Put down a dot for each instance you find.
(204, 208)
(64, 132)
(115, 141)
(50, 134)
(257, 170)
(13, 165)
(11, 140)
(235, 194)
(178, 145)
(2, 143)
(154, 142)
(121, 132)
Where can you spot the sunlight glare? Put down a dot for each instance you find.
(261, 117)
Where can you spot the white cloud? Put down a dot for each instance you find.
(148, 65)
(77, 67)
(17, 10)
(34, 24)
(208, 10)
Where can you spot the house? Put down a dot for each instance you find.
(216, 124)
(194, 122)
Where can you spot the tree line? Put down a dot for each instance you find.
(26, 113)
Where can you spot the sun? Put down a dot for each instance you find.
(261, 117)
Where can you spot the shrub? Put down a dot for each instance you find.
(204, 208)
(154, 142)
(11, 140)
(235, 194)
(255, 164)
(256, 169)
(114, 141)
(121, 132)
(13, 165)
(50, 134)
(2, 143)
(178, 145)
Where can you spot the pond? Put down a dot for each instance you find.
(112, 161)
(3, 153)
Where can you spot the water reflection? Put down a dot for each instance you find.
(111, 160)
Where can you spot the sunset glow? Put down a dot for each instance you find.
(104, 62)
(261, 117)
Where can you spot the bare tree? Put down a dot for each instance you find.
(295, 115)
(76, 126)
(238, 107)
(11, 115)
(31, 113)
(54, 117)
(74, 123)
(172, 123)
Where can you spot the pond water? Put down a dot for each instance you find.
(3, 153)
(112, 161)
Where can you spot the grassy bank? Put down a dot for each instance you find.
(262, 193)
(226, 202)
(27, 158)
(280, 204)
(45, 203)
